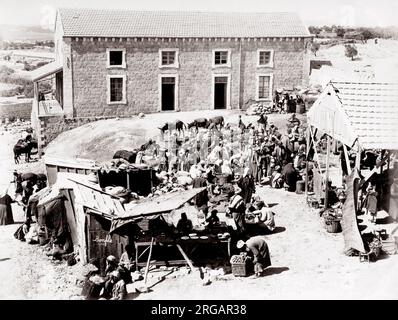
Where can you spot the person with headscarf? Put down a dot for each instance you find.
(237, 209)
(6, 216)
(263, 215)
(289, 176)
(258, 248)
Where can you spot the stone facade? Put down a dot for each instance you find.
(85, 72)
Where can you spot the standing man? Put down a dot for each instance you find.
(246, 183)
(237, 208)
(257, 246)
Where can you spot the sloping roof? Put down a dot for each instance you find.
(163, 203)
(178, 24)
(153, 207)
(366, 111)
(46, 70)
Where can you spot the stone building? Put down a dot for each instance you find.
(120, 63)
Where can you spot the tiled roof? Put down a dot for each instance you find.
(372, 109)
(125, 23)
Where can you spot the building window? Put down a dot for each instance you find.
(168, 58)
(264, 87)
(116, 58)
(116, 89)
(221, 58)
(265, 58)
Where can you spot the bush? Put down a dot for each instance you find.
(4, 70)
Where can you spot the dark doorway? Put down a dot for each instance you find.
(168, 93)
(220, 92)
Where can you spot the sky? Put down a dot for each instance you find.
(356, 13)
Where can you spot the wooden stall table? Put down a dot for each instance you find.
(185, 247)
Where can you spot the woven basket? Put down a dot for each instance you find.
(389, 246)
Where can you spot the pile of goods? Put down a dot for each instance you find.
(375, 247)
(120, 165)
(240, 265)
(259, 108)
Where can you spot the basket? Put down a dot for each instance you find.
(333, 225)
(389, 246)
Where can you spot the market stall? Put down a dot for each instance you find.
(363, 118)
(157, 218)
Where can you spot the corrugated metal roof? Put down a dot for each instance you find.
(372, 109)
(367, 112)
(178, 24)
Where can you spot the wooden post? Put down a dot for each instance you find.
(185, 257)
(148, 262)
(358, 158)
(307, 151)
(327, 172)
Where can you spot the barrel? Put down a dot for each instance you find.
(300, 186)
(333, 226)
(300, 108)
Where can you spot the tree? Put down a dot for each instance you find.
(314, 30)
(367, 34)
(351, 51)
(315, 48)
(340, 32)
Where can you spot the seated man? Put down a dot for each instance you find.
(213, 220)
(115, 287)
(184, 225)
(263, 215)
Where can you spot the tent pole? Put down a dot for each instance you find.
(307, 151)
(148, 262)
(327, 172)
(347, 159)
(358, 158)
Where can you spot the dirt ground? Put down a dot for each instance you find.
(307, 262)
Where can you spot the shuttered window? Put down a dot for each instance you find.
(264, 87)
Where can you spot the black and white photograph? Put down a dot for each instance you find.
(198, 150)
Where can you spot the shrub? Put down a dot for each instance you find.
(351, 51)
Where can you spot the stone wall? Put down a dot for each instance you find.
(85, 80)
(12, 111)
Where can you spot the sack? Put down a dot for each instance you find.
(19, 234)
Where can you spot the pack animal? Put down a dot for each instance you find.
(23, 147)
(198, 123)
(216, 122)
(176, 125)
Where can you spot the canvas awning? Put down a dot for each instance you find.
(155, 206)
(46, 70)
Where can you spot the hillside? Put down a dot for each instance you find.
(375, 62)
(25, 33)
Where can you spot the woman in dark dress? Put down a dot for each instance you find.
(5, 208)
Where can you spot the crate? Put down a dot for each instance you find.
(240, 269)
